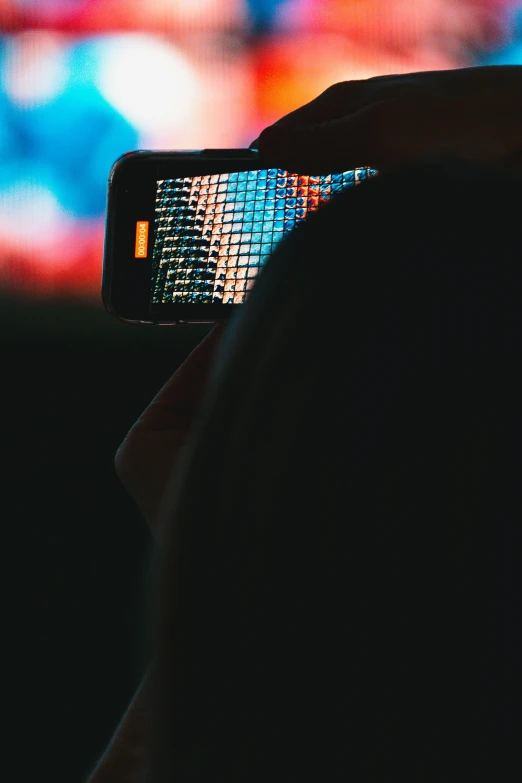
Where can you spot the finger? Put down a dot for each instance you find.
(332, 103)
(350, 96)
(350, 100)
(338, 99)
(320, 108)
(324, 147)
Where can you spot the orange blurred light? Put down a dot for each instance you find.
(292, 70)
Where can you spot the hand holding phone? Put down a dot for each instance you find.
(392, 120)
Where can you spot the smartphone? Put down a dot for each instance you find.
(188, 232)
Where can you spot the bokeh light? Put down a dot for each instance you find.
(83, 81)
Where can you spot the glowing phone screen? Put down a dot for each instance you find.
(214, 233)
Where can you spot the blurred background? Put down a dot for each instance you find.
(81, 82)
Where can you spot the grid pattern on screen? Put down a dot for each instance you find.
(213, 233)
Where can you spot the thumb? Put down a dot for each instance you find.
(336, 145)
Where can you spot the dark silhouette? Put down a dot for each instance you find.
(339, 589)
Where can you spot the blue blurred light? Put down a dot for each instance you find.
(511, 55)
(263, 13)
(76, 136)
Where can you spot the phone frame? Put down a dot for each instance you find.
(126, 280)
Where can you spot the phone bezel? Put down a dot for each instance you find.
(130, 198)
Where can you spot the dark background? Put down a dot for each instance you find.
(76, 546)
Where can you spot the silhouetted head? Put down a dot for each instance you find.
(329, 583)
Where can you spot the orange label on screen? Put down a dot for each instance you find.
(142, 239)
